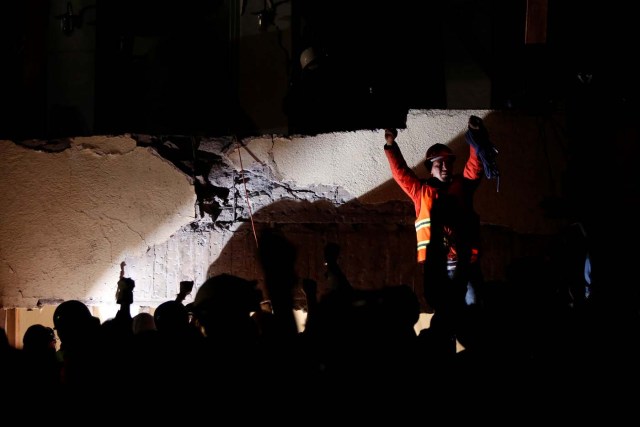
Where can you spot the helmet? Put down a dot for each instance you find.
(69, 313)
(435, 152)
(73, 321)
(225, 294)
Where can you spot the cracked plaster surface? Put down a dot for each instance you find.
(69, 218)
(74, 209)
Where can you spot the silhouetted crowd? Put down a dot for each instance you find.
(536, 345)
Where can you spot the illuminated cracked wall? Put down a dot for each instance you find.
(183, 208)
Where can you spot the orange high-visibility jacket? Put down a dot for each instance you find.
(423, 195)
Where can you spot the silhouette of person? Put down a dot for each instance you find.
(39, 345)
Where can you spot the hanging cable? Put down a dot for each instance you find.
(246, 194)
(194, 150)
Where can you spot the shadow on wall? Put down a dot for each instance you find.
(376, 231)
(376, 243)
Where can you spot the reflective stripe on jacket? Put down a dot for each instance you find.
(423, 195)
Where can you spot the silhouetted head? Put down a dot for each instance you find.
(72, 318)
(228, 293)
(401, 306)
(4, 340)
(39, 338)
(171, 316)
(143, 322)
(225, 299)
(331, 252)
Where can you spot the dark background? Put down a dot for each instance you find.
(375, 62)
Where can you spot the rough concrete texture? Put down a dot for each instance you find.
(109, 199)
(69, 218)
(531, 161)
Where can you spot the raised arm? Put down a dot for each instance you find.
(402, 173)
(482, 152)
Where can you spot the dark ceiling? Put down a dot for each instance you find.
(377, 61)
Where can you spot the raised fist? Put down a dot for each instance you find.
(124, 293)
(475, 123)
(390, 135)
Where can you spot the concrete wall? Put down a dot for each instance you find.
(69, 218)
(73, 211)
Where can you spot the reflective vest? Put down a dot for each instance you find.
(424, 195)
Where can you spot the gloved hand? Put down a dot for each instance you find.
(478, 137)
(390, 135)
(186, 286)
(124, 293)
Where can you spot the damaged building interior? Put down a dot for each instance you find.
(178, 143)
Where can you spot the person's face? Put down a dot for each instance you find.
(442, 168)
(53, 340)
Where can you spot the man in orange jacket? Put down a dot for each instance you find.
(447, 227)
